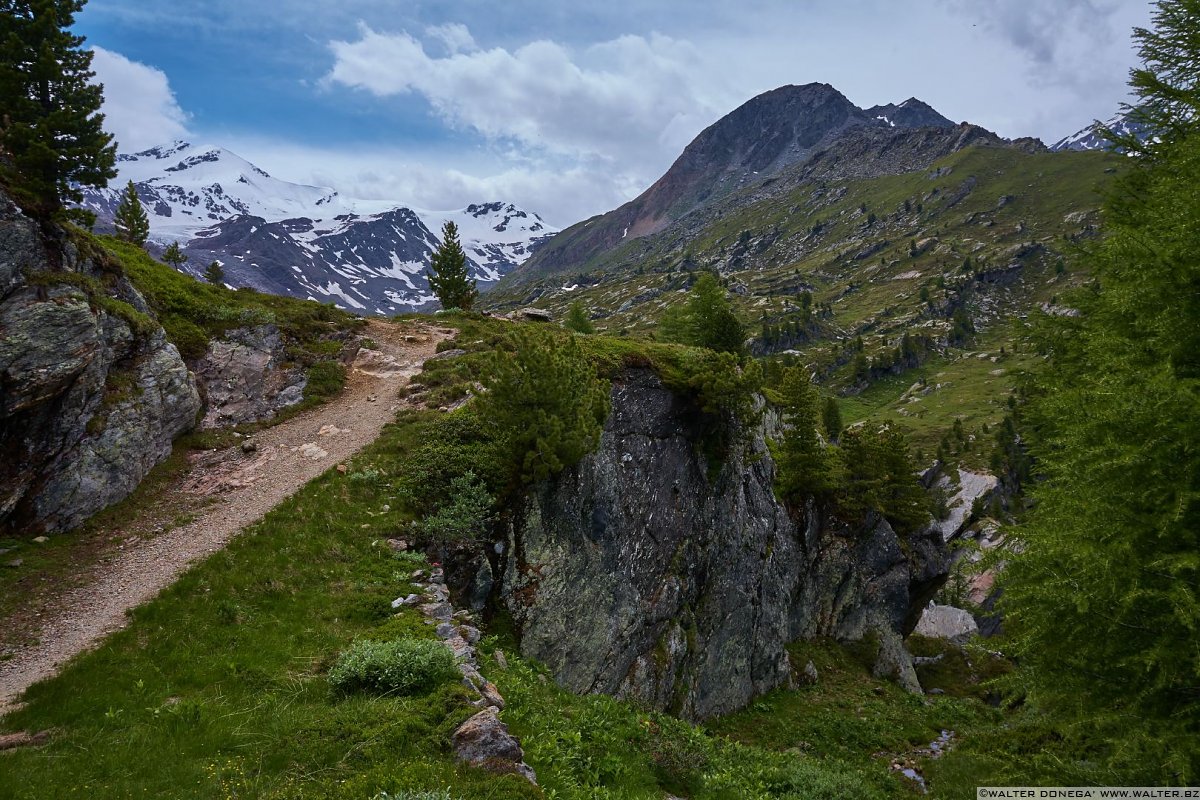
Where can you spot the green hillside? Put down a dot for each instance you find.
(955, 255)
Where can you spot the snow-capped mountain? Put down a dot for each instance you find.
(308, 241)
(1091, 137)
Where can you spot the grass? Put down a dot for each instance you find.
(220, 686)
(848, 715)
(193, 312)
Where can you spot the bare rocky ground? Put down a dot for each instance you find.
(219, 494)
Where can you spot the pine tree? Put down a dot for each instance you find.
(51, 133)
(577, 319)
(1102, 595)
(130, 218)
(705, 320)
(174, 256)
(806, 466)
(882, 477)
(546, 398)
(449, 278)
(214, 274)
(831, 416)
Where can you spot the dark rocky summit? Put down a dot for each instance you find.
(637, 573)
(91, 392)
(760, 139)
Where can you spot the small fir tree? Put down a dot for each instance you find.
(831, 416)
(50, 127)
(174, 256)
(806, 466)
(547, 400)
(705, 320)
(130, 219)
(882, 477)
(577, 319)
(448, 276)
(214, 274)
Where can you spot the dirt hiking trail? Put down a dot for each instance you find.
(235, 489)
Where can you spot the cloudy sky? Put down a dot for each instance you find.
(571, 108)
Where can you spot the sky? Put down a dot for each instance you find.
(569, 109)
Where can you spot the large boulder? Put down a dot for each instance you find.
(247, 377)
(640, 574)
(91, 392)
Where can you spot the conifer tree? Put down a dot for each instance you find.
(806, 466)
(549, 403)
(449, 278)
(130, 218)
(716, 326)
(1103, 593)
(51, 131)
(705, 320)
(174, 256)
(831, 416)
(214, 274)
(881, 477)
(577, 319)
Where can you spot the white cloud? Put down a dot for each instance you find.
(561, 191)
(633, 101)
(139, 107)
(455, 36)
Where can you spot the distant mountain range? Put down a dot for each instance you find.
(1093, 138)
(308, 241)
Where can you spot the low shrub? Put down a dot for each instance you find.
(404, 666)
(325, 379)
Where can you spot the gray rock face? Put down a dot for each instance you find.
(247, 377)
(87, 404)
(947, 622)
(637, 575)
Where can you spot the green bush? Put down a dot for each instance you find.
(325, 379)
(465, 516)
(548, 402)
(404, 666)
(453, 445)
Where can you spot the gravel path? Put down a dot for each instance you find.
(243, 488)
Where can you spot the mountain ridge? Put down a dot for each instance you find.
(758, 139)
(305, 241)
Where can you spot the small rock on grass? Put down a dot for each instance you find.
(41, 539)
(9, 741)
(484, 741)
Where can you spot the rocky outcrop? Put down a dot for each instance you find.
(91, 392)
(248, 377)
(639, 574)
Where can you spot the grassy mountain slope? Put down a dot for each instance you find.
(974, 239)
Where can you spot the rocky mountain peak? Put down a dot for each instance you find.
(912, 113)
(758, 140)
